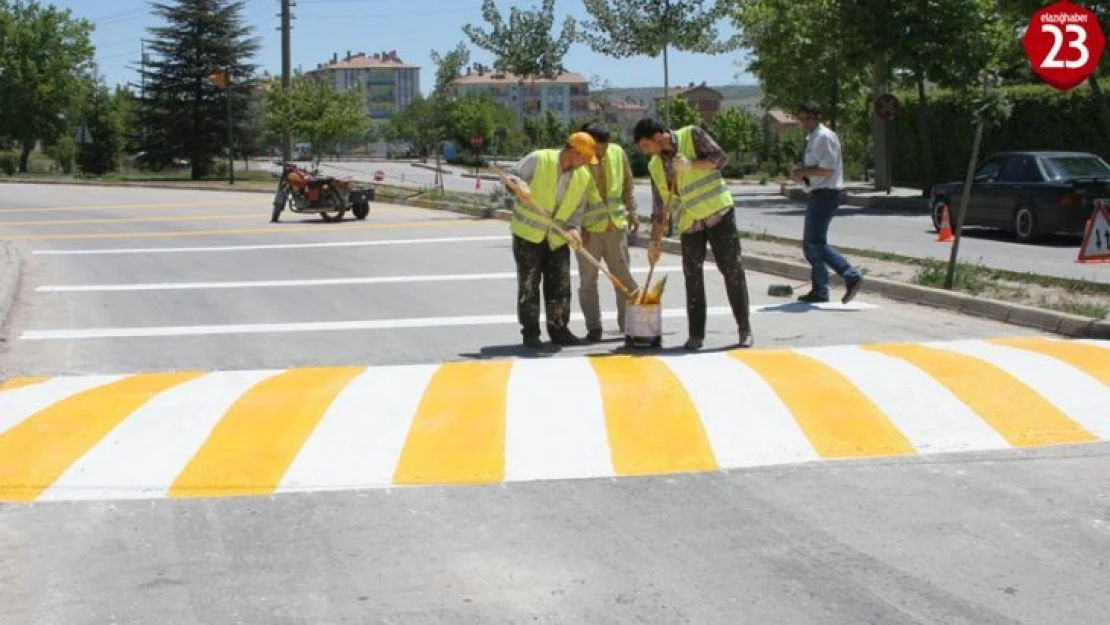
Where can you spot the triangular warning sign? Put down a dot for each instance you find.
(1096, 238)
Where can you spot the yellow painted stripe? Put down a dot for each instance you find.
(14, 383)
(117, 207)
(653, 425)
(275, 229)
(458, 431)
(1020, 414)
(125, 220)
(1090, 359)
(36, 452)
(839, 420)
(251, 448)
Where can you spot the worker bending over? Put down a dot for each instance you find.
(685, 167)
(556, 180)
(610, 214)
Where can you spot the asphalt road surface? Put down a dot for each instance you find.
(917, 494)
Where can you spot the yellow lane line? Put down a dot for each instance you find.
(113, 207)
(250, 449)
(274, 229)
(37, 451)
(839, 420)
(1020, 414)
(653, 425)
(14, 383)
(1090, 359)
(457, 435)
(127, 220)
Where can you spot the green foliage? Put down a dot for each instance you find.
(736, 131)
(317, 112)
(684, 114)
(524, 45)
(101, 117)
(449, 66)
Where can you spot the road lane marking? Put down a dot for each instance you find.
(37, 451)
(503, 421)
(458, 432)
(281, 246)
(1020, 414)
(114, 207)
(321, 228)
(347, 326)
(652, 424)
(260, 284)
(14, 383)
(839, 419)
(251, 447)
(125, 220)
(1086, 357)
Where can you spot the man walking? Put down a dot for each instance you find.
(556, 180)
(688, 188)
(822, 172)
(610, 214)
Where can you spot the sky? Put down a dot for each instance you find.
(413, 28)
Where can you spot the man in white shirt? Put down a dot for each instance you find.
(822, 172)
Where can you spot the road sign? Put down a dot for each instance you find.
(887, 106)
(84, 137)
(476, 140)
(1064, 43)
(1096, 239)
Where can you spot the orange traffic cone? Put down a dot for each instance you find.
(944, 233)
(477, 183)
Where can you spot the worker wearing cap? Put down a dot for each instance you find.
(610, 214)
(558, 182)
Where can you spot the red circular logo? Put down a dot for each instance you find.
(1064, 43)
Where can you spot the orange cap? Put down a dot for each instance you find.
(585, 145)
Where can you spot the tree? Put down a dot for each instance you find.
(683, 113)
(101, 117)
(184, 113)
(416, 123)
(735, 130)
(45, 54)
(627, 28)
(524, 45)
(449, 66)
(315, 111)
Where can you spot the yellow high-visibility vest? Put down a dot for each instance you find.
(600, 210)
(534, 227)
(702, 192)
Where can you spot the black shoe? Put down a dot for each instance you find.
(813, 298)
(853, 288)
(593, 336)
(564, 337)
(746, 339)
(693, 343)
(533, 342)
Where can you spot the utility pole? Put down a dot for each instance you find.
(230, 130)
(286, 69)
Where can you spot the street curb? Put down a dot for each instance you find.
(433, 168)
(891, 203)
(11, 276)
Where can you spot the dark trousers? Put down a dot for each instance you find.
(725, 242)
(820, 208)
(536, 262)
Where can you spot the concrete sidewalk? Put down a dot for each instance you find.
(900, 199)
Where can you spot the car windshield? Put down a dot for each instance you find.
(1064, 167)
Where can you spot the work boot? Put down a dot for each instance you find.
(853, 288)
(694, 343)
(593, 336)
(746, 339)
(533, 342)
(813, 298)
(564, 337)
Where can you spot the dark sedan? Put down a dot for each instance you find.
(1029, 194)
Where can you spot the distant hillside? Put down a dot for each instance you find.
(746, 96)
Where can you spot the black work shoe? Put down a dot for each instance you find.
(533, 342)
(593, 336)
(694, 343)
(564, 337)
(813, 298)
(853, 288)
(746, 340)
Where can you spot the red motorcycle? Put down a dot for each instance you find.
(302, 191)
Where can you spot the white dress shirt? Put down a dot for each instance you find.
(823, 150)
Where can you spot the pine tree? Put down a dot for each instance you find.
(183, 113)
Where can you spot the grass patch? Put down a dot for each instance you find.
(1076, 306)
(973, 279)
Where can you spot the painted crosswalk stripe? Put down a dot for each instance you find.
(37, 451)
(142, 456)
(838, 418)
(359, 440)
(1088, 358)
(14, 383)
(458, 432)
(249, 450)
(928, 414)
(745, 420)
(1017, 412)
(556, 425)
(21, 401)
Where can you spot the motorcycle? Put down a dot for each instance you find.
(302, 191)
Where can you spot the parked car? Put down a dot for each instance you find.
(1029, 194)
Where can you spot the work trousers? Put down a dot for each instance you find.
(611, 248)
(725, 242)
(820, 208)
(537, 263)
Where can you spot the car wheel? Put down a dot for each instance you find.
(939, 206)
(1025, 226)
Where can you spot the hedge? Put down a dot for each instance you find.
(1042, 119)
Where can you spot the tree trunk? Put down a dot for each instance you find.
(25, 155)
(834, 99)
(879, 126)
(1100, 103)
(924, 135)
(666, 88)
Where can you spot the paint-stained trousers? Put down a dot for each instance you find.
(724, 239)
(536, 264)
(611, 248)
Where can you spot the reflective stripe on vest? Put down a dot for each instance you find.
(599, 211)
(533, 227)
(702, 192)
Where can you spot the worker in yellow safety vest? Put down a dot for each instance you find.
(610, 215)
(557, 181)
(689, 191)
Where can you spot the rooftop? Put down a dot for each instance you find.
(483, 75)
(361, 60)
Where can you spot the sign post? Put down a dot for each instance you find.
(476, 141)
(1064, 43)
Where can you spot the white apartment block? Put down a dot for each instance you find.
(389, 83)
(567, 96)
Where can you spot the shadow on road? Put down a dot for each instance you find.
(515, 350)
(802, 307)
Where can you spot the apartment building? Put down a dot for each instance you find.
(389, 83)
(703, 98)
(567, 95)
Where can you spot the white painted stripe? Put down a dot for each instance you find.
(144, 454)
(928, 414)
(280, 246)
(551, 433)
(1096, 342)
(1075, 393)
(19, 404)
(331, 326)
(358, 443)
(179, 286)
(745, 420)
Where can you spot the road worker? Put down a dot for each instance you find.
(558, 182)
(689, 161)
(610, 215)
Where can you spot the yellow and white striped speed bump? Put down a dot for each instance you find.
(213, 434)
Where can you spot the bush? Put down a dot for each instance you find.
(9, 163)
(1042, 119)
